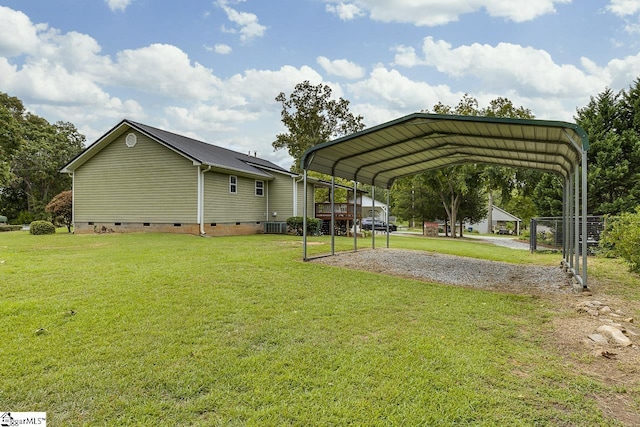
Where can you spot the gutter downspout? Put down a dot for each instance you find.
(201, 198)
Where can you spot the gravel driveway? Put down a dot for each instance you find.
(455, 270)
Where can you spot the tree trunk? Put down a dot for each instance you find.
(461, 227)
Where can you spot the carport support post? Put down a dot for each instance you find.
(388, 216)
(373, 217)
(576, 182)
(570, 230)
(333, 215)
(304, 216)
(584, 219)
(355, 215)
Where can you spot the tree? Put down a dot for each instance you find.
(415, 201)
(312, 117)
(61, 206)
(32, 151)
(612, 122)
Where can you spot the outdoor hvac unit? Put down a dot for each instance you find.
(275, 227)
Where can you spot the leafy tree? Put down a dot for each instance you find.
(548, 196)
(612, 122)
(32, 151)
(61, 206)
(312, 117)
(414, 201)
(621, 237)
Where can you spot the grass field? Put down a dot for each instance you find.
(159, 329)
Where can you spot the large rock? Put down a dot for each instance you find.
(615, 334)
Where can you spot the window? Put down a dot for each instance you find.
(233, 184)
(260, 188)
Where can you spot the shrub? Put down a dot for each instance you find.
(621, 237)
(61, 206)
(4, 227)
(24, 217)
(41, 227)
(295, 224)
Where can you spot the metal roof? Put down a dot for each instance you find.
(420, 142)
(194, 150)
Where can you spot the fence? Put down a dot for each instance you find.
(547, 232)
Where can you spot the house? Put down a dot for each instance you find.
(140, 178)
(379, 210)
(500, 220)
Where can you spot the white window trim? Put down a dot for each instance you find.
(261, 188)
(233, 185)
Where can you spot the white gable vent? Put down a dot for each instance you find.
(131, 140)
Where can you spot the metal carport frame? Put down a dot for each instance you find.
(421, 142)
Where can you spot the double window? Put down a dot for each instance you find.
(260, 188)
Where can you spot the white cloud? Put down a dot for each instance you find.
(346, 12)
(118, 4)
(398, 92)
(440, 12)
(341, 68)
(505, 66)
(262, 86)
(222, 49)
(247, 23)
(164, 69)
(624, 7)
(19, 35)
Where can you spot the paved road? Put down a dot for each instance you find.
(509, 242)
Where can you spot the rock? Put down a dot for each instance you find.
(629, 320)
(593, 312)
(605, 309)
(615, 334)
(604, 353)
(599, 339)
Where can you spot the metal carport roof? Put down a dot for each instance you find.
(421, 142)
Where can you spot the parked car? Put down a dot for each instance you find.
(378, 225)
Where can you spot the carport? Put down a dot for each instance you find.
(421, 142)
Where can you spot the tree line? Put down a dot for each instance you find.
(465, 193)
(32, 152)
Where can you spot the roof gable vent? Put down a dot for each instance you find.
(131, 140)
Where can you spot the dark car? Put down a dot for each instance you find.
(378, 225)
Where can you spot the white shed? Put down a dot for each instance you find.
(500, 218)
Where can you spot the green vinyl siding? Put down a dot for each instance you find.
(280, 197)
(144, 183)
(220, 206)
(311, 205)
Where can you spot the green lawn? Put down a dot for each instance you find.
(159, 329)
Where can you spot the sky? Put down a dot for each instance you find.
(211, 70)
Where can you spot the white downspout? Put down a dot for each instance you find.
(201, 198)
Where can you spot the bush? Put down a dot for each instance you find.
(621, 237)
(24, 217)
(41, 227)
(313, 225)
(4, 227)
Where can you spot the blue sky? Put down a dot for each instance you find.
(211, 69)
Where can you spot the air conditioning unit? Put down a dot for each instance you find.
(275, 228)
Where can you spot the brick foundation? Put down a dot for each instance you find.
(226, 229)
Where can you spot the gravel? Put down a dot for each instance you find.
(455, 270)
